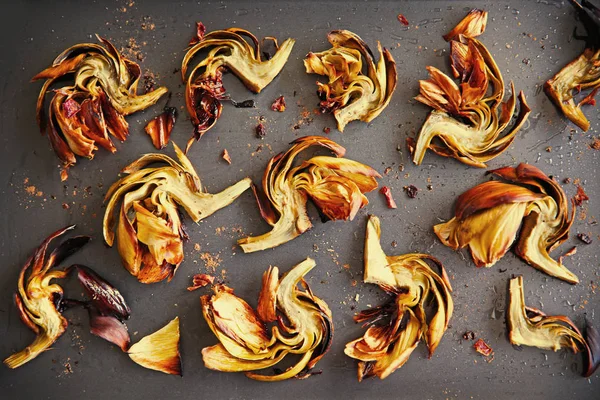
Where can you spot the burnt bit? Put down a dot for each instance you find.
(226, 156)
(411, 191)
(388, 197)
(595, 145)
(243, 104)
(326, 130)
(483, 348)
(278, 104)
(469, 335)
(200, 32)
(581, 196)
(402, 19)
(261, 131)
(585, 238)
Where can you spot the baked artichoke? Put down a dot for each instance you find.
(150, 231)
(471, 125)
(350, 94)
(488, 217)
(301, 324)
(159, 350)
(228, 50)
(81, 117)
(335, 185)
(581, 74)
(531, 327)
(420, 307)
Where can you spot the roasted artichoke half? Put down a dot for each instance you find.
(420, 307)
(228, 50)
(335, 185)
(301, 325)
(471, 121)
(104, 90)
(488, 216)
(150, 231)
(350, 94)
(583, 73)
(531, 327)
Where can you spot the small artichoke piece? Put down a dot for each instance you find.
(38, 299)
(335, 185)
(160, 350)
(350, 94)
(531, 327)
(488, 217)
(302, 325)
(472, 126)
(228, 50)
(159, 128)
(82, 115)
(150, 231)
(413, 284)
(581, 74)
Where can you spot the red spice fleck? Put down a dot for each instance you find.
(581, 196)
(326, 130)
(201, 280)
(200, 31)
(402, 20)
(483, 348)
(226, 156)
(388, 197)
(71, 107)
(278, 104)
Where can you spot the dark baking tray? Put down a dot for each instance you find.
(531, 40)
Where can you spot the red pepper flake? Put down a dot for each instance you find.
(589, 99)
(483, 348)
(71, 107)
(326, 130)
(201, 280)
(278, 104)
(200, 31)
(261, 131)
(411, 191)
(402, 20)
(581, 196)
(226, 156)
(388, 197)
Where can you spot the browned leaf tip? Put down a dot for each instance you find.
(278, 104)
(226, 156)
(200, 281)
(388, 197)
(483, 348)
(159, 129)
(581, 196)
(402, 20)
(200, 31)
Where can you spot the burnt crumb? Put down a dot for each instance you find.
(279, 104)
(261, 131)
(585, 238)
(469, 335)
(149, 81)
(595, 144)
(581, 196)
(394, 244)
(549, 149)
(326, 130)
(387, 170)
(502, 270)
(567, 180)
(176, 70)
(526, 61)
(429, 187)
(411, 191)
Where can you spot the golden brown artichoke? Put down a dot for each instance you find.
(81, 116)
(469, 123)
(396, 328)
(159, 350)
(528, 326)
(335, 185)
(488, 217)
(350, 94)
(301, 324)
(150, 231)
(228, 51)
(581, 74)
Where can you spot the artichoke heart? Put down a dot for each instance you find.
(104, 91)
(150, 231)
(228, 50)
(488, 216)
(528, 326)
(471, 120)
(335, 185)
(420, 308)
(301, 325)
(581, 74)
(350, 94)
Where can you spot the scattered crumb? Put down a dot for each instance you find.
(226, 156)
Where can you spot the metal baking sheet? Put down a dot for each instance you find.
(531, 40)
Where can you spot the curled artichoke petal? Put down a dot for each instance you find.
(466, 123)
(488, 217)
(302, 325)
(150, 231)
(334, 184)
(350, 94)
(413, 283)
(81, 115)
